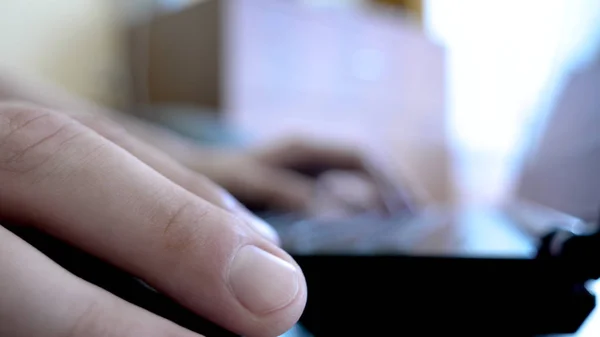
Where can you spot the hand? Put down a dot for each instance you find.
(67, 180)
(294, 175)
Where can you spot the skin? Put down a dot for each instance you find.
(276, 177)
(61, 176)
(104, 183)
(270, 179)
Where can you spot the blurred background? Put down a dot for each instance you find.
(469, 103)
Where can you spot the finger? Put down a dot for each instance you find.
(355, 189)
(77, 185)
(256, 223)
(299, 153)
(39, 298)
(156, 159)
(396, 193)
(179, 174)
(280, 189)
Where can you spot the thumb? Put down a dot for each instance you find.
(72, 183)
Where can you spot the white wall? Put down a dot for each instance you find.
(76, 44)
(506, 61)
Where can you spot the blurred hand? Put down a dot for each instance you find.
(198, 247)
(270, 178)
(294, 175)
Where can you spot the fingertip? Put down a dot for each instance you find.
(280, 320)
(261, 281)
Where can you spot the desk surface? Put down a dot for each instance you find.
(509, 232)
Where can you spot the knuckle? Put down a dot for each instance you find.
(197, 227)
(180, 229)
(30, 136)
